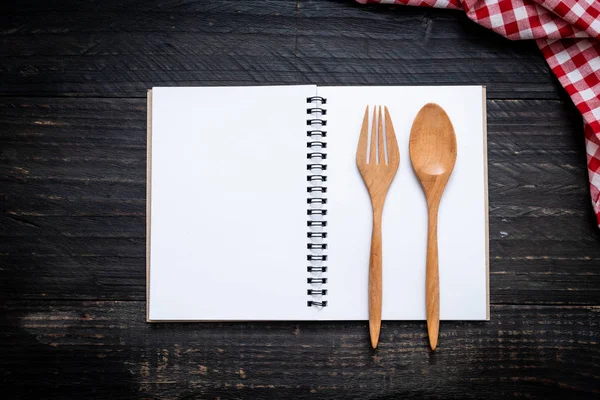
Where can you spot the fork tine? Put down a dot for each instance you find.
(361, 152)
(392, 143)
(372, 154)
(381, 149)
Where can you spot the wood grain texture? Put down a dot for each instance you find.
(73, 191)
(378, 170)
(121, 50)
(432, 150)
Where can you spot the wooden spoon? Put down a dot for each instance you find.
(432, 149)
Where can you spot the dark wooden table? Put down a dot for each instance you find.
(73, 80)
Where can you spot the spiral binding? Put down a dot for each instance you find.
(316, 179)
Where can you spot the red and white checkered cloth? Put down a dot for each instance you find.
(568, 34)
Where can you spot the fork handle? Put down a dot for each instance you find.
(375, 279)
(432, 278)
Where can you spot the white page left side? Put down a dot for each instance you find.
(228, 204)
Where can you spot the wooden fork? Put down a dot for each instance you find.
(378, 175)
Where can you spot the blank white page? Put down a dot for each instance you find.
(228, 204)
(462, 237)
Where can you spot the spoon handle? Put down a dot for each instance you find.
(375, 279)
(432, 279)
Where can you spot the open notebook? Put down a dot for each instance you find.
(229, 230)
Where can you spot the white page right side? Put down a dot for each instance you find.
(462, 215)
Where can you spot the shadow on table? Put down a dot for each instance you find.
(30, 369)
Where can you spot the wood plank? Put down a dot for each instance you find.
(73, 198)
(119, 51)
(83, 227)
(136, 6)
(105, 349)
(524, 280)
(67, 276)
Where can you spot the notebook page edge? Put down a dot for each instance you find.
(148, 200)
(486, 199)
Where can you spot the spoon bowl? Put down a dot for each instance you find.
(432, 143)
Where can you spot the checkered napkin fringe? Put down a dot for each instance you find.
(568, 34)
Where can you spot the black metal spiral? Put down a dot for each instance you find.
(316, 189)
(311, 303)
